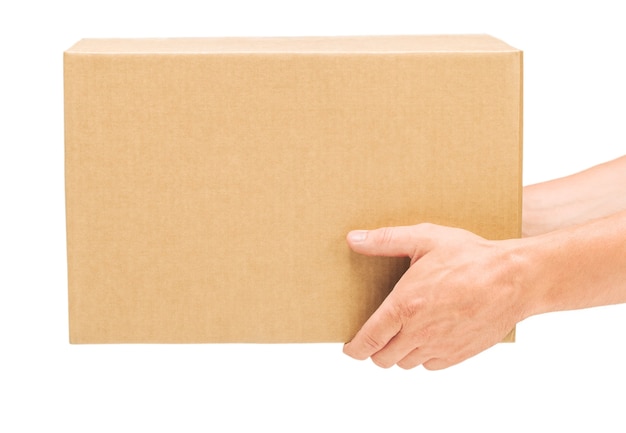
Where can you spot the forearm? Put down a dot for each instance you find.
(593, 193)
(576, 267)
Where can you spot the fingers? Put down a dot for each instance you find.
(381, 327)
(379, 338)
(437, 364)
(415, 358)
(402, 241)
(396, 350)
(382, 337)
(402, 351)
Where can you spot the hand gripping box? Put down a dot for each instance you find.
(210, 183)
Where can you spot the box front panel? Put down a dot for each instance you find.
(208, 196)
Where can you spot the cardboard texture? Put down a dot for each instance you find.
(210, 183)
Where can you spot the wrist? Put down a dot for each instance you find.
(526, 266)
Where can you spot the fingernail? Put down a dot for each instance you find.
(357, 235)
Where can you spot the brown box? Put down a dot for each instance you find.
(210, 183)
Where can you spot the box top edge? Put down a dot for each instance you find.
(399, 44)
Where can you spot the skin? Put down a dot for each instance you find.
(582, 197)
(463, 293)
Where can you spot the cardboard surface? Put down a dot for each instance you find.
(210, 183)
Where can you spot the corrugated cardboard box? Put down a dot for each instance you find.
(211, 182)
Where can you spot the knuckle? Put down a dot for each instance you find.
(409, 308)
(371, 343)
(386, 235)
(425, 227)
(423, 335)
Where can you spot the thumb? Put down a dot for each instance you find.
(402, 241)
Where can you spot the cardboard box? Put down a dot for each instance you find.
(210, 183)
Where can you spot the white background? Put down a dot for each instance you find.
(566, 372)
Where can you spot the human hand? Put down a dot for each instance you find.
(460, 296)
